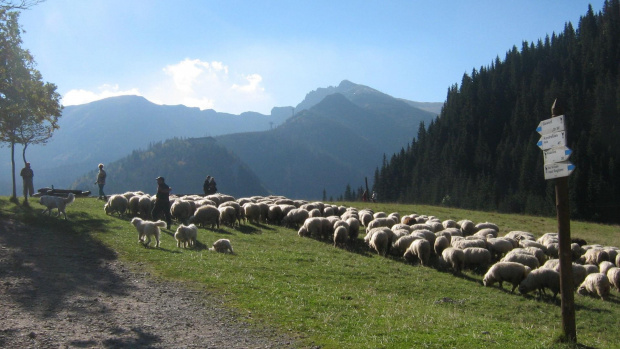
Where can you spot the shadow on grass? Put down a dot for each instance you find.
(48, 261)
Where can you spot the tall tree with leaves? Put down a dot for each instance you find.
(29, 107)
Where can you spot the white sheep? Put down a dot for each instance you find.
(381, 222)
(354, 228)
(467, 227)
(186, 235)
(487, 225)
(441, 243)
(506, 271)
(181, 210)
(613, 274)
(498, 247)
(206, 215)
(274, 215)
(228, 215)
(146, 206)
(604, 266)
(419, 250)
(295, 217)
(341, 236)
(477, 257)
(539, 279)
(522, 256)
(595, 256)
(134, 205)
(465, 243)
(222, 246)
(116, 203)
(591, 269)
(379, 240)
(251, 212)
(579, 271)
(455, 258)
(595, 284)
(400, 246)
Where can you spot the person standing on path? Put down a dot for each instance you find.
(101, 182)
(27, 175)
(162, 201)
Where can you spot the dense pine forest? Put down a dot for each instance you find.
(481, 152)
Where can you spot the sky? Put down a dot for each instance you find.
(236, 56)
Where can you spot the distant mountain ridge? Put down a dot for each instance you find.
(337, 141)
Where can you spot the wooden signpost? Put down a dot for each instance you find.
(553, 143)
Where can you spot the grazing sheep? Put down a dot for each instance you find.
(134, 205)
(251, 212)
(314, 212)
(553, 249)
(400, 246)
(449, 223)
(441, 243)
(538, 253)
(576, 251)
(455, 258)
(365, 217)
(595, 256)
(186, 235)
(181, 210)
(605, 266)
(341, 236)
(148, 229)
(228, 215)
(206, 215)
(506, 271)
(379, 240)
(595, 284)
(464, 243)
(530, 243)
(381, 222)
(523, 257)
(313, 226)
(618, 261)
(467, 227)
(486, 233)
(520, 235)
(487, 225)
(579, 271)
(303, 232)
(498, 247)
(477, 257)
(354, 228)
(539, 279)
(274, 215)
(295, 217)
(591, 269)
(613, 274)
(146, 206)
(419, 250)
(222, 246)
(116, 203)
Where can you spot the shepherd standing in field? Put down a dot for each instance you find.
(162, 201)
(101, 182)
(27, 175)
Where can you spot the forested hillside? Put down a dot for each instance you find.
(481, 152)
(185, 163)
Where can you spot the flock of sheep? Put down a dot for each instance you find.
(519, 258)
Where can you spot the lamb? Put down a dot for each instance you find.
(613, 274)
(341, 236)
(540, 279)
(222, 246)
(206, 215)
(455, 258)
(506, 271)
(146, 229)
(186, 235)
(116, 203)
(419, 249)
(476, 257)
(595, 284)
(252, 212)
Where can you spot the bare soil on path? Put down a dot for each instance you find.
(68, 291)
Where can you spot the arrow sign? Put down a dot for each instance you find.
(554, 124)
(558, 169)
(556, 155)
(552, 140)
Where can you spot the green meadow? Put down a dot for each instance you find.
(352, 298)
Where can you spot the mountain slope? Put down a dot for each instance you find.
(184, 163)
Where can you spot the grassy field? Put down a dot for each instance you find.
(337, 298)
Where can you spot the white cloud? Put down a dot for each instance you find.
(194, 83)
(75, 97)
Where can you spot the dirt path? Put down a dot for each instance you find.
(60, 291)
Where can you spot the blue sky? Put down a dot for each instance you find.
(235, 56)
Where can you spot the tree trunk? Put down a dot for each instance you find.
(14, 197)
(24, 154)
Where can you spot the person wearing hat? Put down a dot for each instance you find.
(162, 201)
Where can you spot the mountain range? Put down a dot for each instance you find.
(335, 136)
